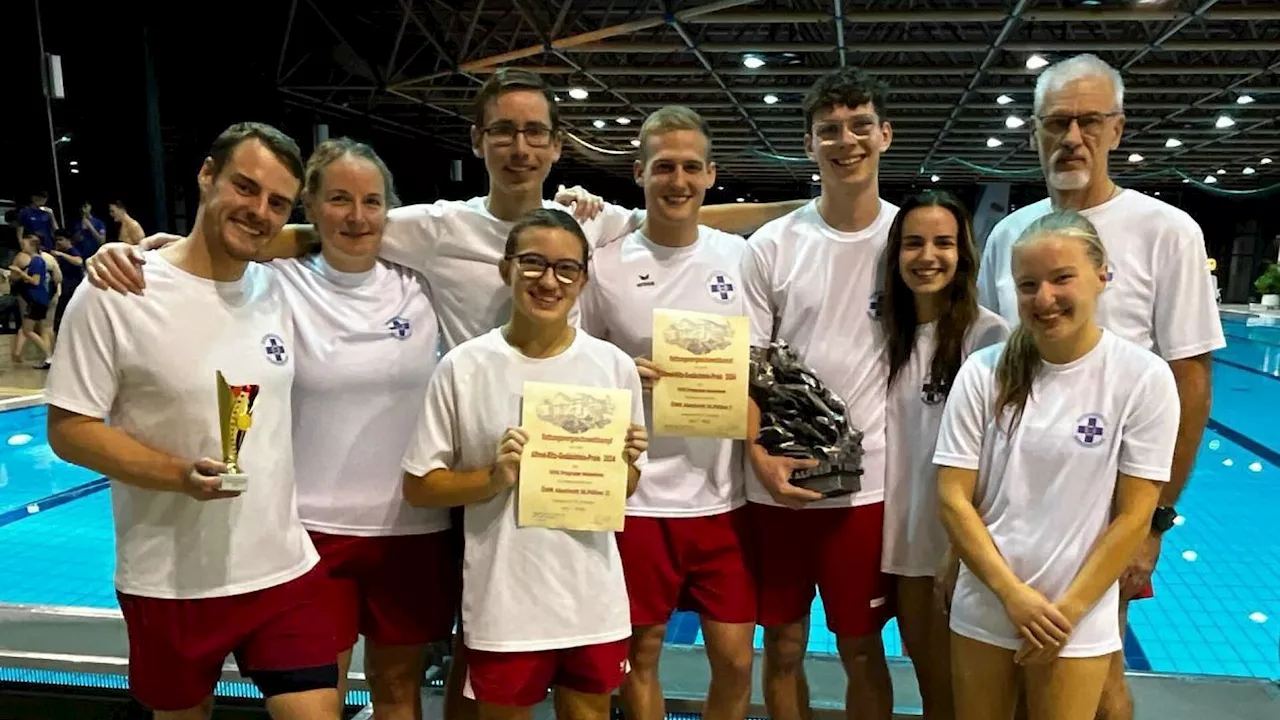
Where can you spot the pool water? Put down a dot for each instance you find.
(1217, 604)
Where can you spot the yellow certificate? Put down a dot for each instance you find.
(705, 360)
(573, 475)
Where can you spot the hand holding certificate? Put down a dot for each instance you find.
(576, 457)
(705, 362)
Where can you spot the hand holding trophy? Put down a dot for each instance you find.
(235, 415)
(801, 419)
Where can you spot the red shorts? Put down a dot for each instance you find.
(397, 590)
(836, 551)
(521, 679)
(177, 647)
(688, 563)
(1147, 592)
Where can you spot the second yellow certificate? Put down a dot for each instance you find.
(705, 361)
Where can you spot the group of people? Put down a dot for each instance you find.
(48, 266)
(1028, 421)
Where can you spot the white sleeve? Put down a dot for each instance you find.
(434, 444)
(988, 331)
(83, 377)
(410, 236)
(988, 293)
(591, 306)
(1186, 321)
(613, 222)
(964, 419)
(637, 400)
(757, 294)
(1150, 430)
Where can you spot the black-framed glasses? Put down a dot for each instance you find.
(504, 133)
(1091, 124)
(533, 266)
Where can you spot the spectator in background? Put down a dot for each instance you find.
(71, 263)
(30, 273)
(130, 229)
(38, 217)
(90, 234)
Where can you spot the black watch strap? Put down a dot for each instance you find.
(1163, 518)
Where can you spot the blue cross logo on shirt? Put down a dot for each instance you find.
(721, 287)
(873, 306)
(274, 348)
(400, 327)
(1089, 430)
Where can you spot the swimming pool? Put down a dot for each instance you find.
(1217, 604)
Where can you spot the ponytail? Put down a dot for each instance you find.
(1015, 372)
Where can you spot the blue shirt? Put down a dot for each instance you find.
(85, 243)
(72, 274)
(38, 293)
(38, 222)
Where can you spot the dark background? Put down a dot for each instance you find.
(149, 85)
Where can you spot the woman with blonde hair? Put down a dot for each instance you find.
(1039, 436)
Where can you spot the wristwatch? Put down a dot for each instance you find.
(1163, 518)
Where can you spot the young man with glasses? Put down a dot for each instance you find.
(811, 279)
(1160, 292)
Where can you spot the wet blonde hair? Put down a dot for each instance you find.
(1020, 361)
(669, 118)
(334, 149)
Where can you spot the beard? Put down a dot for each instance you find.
(1068, 179)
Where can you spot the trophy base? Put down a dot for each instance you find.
(233, 482)
(827, 482)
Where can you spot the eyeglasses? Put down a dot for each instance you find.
(832, 131)
(1091, 124)
(533, 266)
(504, 133)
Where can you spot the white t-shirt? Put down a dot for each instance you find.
(1045, 491)
(1161, 293)
(149, 363)
(523, 589)
(686, 476)
(914, 540)
(817, 289)
(366, 347)
(457, 245)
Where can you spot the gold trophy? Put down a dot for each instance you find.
(235, 414)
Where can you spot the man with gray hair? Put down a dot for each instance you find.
(1159, 293)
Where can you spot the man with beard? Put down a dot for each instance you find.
(1159, 292)
(202, 570)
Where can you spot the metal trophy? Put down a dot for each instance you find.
(235, 415)
(800, 418)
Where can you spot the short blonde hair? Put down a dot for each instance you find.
(669, 118)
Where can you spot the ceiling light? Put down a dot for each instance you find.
(815, 177)
(1035, 62)
(1221, 171)
(75, 171)
(1248, 171)
(934, 178)
(1186, 180)
(719, 187)
(1244, 99)
(557, 98)
(635, 142)
(1013, 122)
(1264, 161)
(74, 163)
(1157, 193)
(1224, 122)
(624, 120)
(578, 93)
(994, 142)
(1209, 180)
(770, 99)
(1004, 99)
(1172, 143)
(751, 62)
(1136, 158)
(599, 123)
(742, 199)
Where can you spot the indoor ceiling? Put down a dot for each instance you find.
(1200, 73)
